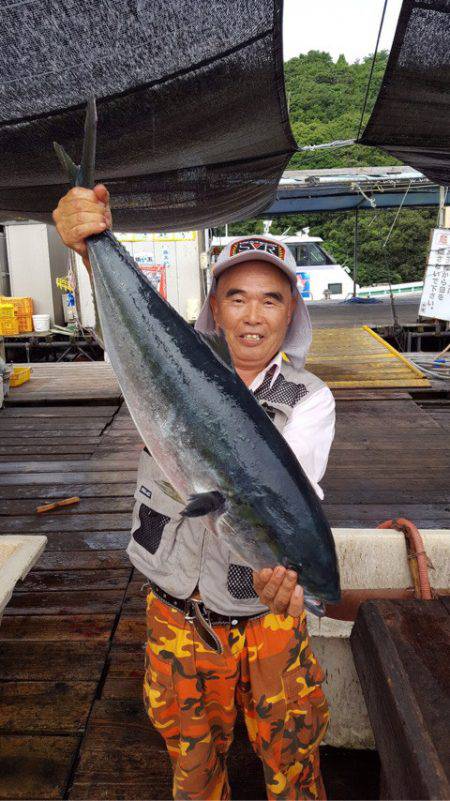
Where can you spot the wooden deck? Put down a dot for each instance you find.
(71, 654)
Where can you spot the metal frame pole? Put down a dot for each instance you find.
(355, 250)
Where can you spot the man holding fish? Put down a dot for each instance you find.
(221, 635)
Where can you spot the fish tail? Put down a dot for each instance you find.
(82, 174)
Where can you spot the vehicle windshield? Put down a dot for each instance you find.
(310, 254)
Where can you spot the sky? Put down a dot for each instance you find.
(337, 26)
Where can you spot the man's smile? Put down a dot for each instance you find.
(251, 337)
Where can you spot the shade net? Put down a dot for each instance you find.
(193, 127)
(411, 117)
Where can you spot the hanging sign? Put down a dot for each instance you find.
(171, 236)
(435, 301)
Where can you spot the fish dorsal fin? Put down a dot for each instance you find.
(218, 344)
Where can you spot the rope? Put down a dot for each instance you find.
(372, 68)
(397, 215)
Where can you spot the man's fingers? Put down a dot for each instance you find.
(295, 607)
(260, 578)
(82, 217)
(84, 230)
(81, 205)
(79, 193)
(101, 192)
(270, 590)
(283, 595)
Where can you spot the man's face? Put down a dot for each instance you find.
(253, 305)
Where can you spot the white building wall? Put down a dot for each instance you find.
(36, 257)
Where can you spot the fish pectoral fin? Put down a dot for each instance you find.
(203, 504)
(218, 344)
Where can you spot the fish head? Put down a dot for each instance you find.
(316, 567)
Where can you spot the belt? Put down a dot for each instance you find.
(202, 618)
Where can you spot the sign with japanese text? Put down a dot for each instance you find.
(435, 301)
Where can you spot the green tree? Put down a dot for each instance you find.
(325, 101)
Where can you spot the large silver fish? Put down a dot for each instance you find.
(214, 442)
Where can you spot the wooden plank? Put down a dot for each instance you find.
(371, 394)
(65, 602)
(94, 506)
(59, 522)
(351, 515)
(49, 490)
(384, 490)
(51, 466)
(92, 424)
(122, 689)
(74, 381)
(71, 436)
(82, 560)
(50, 628)
(398, 647)
(131, 629)
(70, 412)
(87, 540)
(356, 440)
(408, 457)
(51, 661)
(78, 580)
(127, 661)
(123, 753)
(37, 450)
(45, 707)
(35, 767)
(101, 477)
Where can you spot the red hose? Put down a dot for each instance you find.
(416, 551)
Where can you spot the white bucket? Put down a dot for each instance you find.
(41, 322)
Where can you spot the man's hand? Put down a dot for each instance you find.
(81, 213)
(278, 589)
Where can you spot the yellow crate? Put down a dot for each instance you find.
(21, 305)
(7, 311)
(25, 323)
(19, 376)
(9, 328)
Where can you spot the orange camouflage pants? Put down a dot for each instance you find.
(191, 694)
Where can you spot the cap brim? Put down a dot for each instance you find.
(255, 255)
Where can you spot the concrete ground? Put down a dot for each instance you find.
(339, 314)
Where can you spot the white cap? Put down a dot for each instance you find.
(263, 248)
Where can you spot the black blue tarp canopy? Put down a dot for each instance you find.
(411, 117)
(347, 189)
(193, 127)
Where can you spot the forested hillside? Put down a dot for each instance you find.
(325, 103)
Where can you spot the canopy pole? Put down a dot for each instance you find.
(355, 250)
(442, 198)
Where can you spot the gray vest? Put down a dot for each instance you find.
(178, 553)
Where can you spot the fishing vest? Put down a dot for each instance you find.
(178, 553)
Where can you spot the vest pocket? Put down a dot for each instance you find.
(150, 530)
(240, 582)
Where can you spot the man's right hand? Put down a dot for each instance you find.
(81, 213)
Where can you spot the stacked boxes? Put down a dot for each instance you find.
(15, 315)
